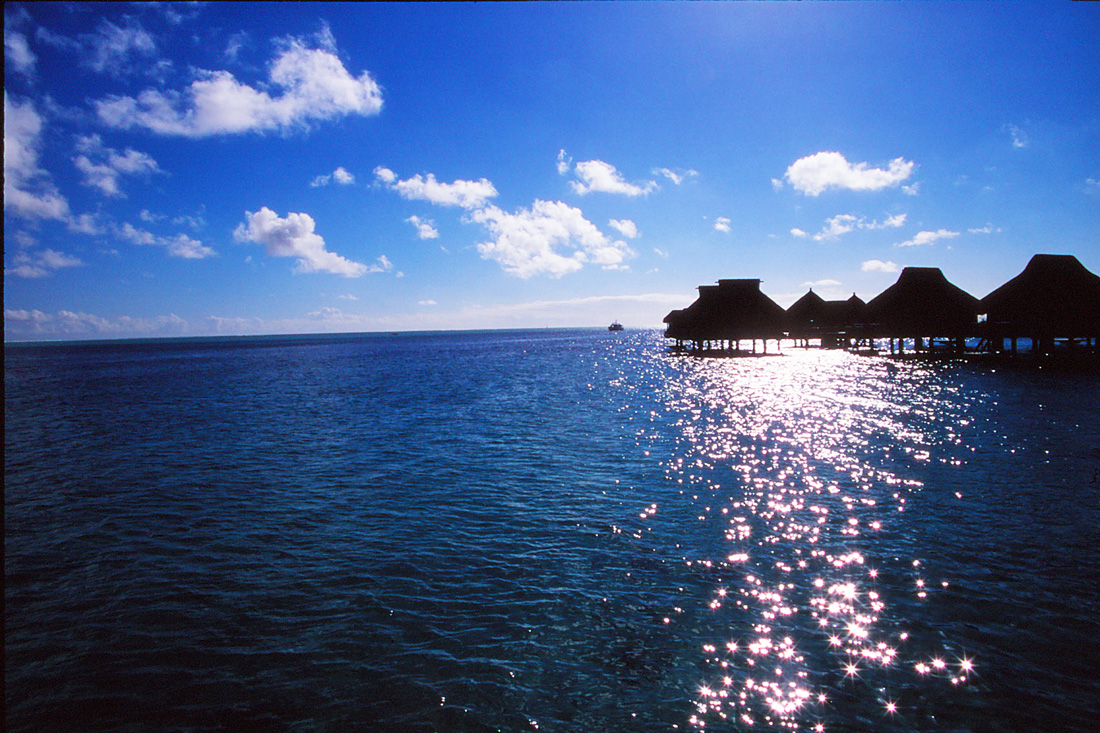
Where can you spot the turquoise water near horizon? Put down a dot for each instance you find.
(555, 529)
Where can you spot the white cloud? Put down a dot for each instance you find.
(112, 48)
(425, 228)
(426, 302)
(63, 322)
(987, 229)
(551, 238)
(28, 190)
(815, 173)
(1092, 186)
(467, 194)
(24, 240)
(660, 253)
(294, 237)
(598, 176)
(564, 162)
(315, 86)
(924, 238)
(844, 223)
(385, 175)
(40, 264)
(102, 167)
(911, 190)
(180, 246)
(195, 222)
(827, 283)
(382, 264)
(90, 224)
(798, 233)
(722, 224)
(879, 266)
(136, 236)
(837, 225)
(674, 176)
(18, 53)
(1019, 137)
(340, 175)
(625, 227)
(236, 42)
(184, 247)
(346, 296)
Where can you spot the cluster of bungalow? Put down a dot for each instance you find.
(1055, 299)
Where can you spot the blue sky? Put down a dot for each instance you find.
(230, 168)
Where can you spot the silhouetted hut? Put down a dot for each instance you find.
(843, 321)
(834, 322)
(1054, 297)
(677, 327)
(922, 303)
(725, 314)
(805, 317)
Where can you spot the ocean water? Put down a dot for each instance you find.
(544, 530)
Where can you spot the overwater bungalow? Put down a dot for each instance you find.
(724, 315)
(1055, 297)
(832, 322)
(921, 305)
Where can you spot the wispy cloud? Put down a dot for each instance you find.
(113, 47)
(987, 229)
(65, 322)
(844, 223)
(180, 245)
(41, 263)
(103, 167)
(1019, 137)
(18, 53)
(816, 173)
(678, 176)
(294, 236)
(926, 238)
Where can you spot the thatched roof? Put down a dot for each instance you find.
(730, 310)
(811, 314)
(806, 314)
(1055, 295)
(922, 303)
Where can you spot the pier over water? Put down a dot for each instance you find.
(1051, 309)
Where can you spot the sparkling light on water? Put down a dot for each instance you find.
(798, 470)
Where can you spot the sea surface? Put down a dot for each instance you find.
(544, 530)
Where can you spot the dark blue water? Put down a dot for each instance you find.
(552, 530)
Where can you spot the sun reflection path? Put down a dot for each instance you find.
(799, 463)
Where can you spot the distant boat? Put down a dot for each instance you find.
(616, 326)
